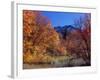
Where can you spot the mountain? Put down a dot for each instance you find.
(64, 30)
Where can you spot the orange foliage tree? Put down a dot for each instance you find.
(38, 35)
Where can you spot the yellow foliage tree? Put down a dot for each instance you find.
(38, 35)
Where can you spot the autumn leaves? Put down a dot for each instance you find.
(38, 35)
(43, 44)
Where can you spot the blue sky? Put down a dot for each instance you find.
(62, 18)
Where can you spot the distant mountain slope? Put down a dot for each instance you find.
(64, 30)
